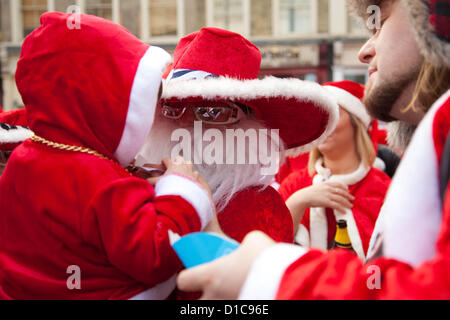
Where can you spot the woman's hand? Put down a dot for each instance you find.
(331, 195)
(223, 279)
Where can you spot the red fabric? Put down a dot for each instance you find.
(97, 217)
(224, 53)
(249, 210)
(15, 118)
(369, 193)
(195, 51)
(49, 89)
(440, 125)
(351, 87)
(62, 208)
(256, 209)
(11, 118)
(290, 165)
(341, 275)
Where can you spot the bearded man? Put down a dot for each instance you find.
(409, 253)
(228, 120)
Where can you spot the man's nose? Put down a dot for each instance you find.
(367, 52)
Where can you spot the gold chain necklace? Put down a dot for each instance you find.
(66, 147)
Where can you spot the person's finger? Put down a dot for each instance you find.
(193, 280)
(342, 200)
(153, 181)
(343, 193)
(343, 203)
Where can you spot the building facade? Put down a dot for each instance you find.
(308, 39)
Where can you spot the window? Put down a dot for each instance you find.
(295, 16)
(323, 11)
(99, 8)
(63, 5)
(195, 15)
(5, 20)
(130, 16)
(356, 27)
(32, 11)
(261, 18)
(229, 15)
(163, 17)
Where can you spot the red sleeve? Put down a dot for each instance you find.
(131, 225)
(339, 274)
(295, 181)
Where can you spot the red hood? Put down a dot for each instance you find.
(94, 85)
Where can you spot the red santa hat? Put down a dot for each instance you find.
(13, 129)
(349, 95)
(225, 67)
(98, 90)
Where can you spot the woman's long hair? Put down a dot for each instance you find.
(364, 147)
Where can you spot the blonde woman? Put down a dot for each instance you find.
(339, 182)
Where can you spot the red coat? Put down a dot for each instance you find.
(410, 247)
(249, 210)
(63, 208)
(369, 193)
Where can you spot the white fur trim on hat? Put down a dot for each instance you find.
(143, 101)
(270, 87)
(16, 135)
(350, 103)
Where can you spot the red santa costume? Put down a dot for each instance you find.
(295, 162)
(367, 185)
(410, 246)
(217, 65)
(90, 95)
(13, 129)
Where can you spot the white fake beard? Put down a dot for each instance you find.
(399, 135)
(225, 180)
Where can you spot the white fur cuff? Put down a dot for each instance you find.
(190, 191)
(267, 271)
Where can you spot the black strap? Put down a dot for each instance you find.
(445, 168)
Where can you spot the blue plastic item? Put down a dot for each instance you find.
(198, 248)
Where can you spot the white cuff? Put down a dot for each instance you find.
(192, 192)
(267, 271)
(302, 236)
